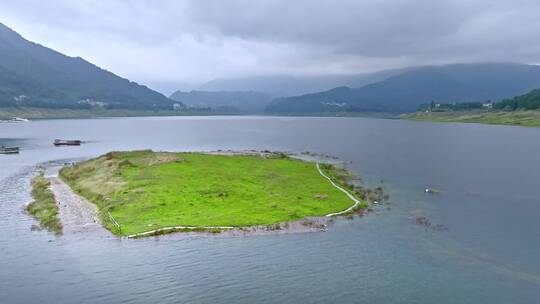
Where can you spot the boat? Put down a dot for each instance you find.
(15, 119)
(67, 142)
(18, 119)
(9, 150)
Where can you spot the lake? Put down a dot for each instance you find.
(482, 244)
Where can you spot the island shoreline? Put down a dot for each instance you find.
(72, 203)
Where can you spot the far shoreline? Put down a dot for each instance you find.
(521, 118)
(518, 118)
(62, 113)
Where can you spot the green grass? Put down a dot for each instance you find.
(526, 118)
(44, 207)
(145, 190)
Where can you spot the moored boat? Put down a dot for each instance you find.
(18, 119)
(431, 191)
(67, 142)
(15, 119)
(9, 150)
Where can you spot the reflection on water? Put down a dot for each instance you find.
(488, 253)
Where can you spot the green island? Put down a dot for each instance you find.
(44, 207)
(143, 191)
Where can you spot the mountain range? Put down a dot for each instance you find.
(405, 91)
(225, 101)
(286, 85)
(32, 75)
(37, 76)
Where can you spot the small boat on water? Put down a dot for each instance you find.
(9, 150)
(431, 191)
(67, 142)
(15, 119)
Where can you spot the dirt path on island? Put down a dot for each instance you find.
(356, 202)
(78, 216)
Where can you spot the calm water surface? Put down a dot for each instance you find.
(489, 251)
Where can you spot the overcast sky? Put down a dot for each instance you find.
(164, 42)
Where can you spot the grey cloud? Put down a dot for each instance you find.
(378, 28)
(195, 41)
(371, 28)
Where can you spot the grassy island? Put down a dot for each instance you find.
(44, 207)
(143, 190)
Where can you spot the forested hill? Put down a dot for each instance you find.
(406, 91)
(33, 75)
(529, 101)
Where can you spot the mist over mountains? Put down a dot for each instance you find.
(391, 91)
(284, 85)
(406, 91)
(225, 101)
(32, 75)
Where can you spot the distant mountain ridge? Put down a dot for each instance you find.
(229, 101)
(254, 94)
(406, 91)
(286, 85)
(33, 75)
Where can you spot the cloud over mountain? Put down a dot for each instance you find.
(196, 41)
